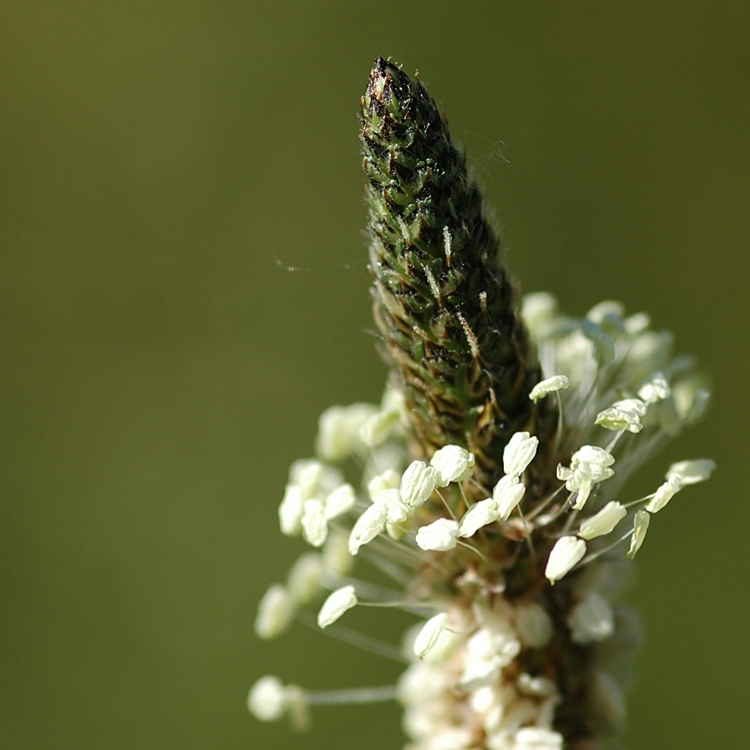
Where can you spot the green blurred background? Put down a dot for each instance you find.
(160, 166)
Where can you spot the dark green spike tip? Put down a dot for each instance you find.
(444, 303)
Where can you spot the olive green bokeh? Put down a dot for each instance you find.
(162, 165)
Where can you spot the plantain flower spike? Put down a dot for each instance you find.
(489, 483)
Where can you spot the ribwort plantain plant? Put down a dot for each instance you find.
(491, 475)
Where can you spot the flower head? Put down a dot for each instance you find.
(500, 516)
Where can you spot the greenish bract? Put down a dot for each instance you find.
(444, 303)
